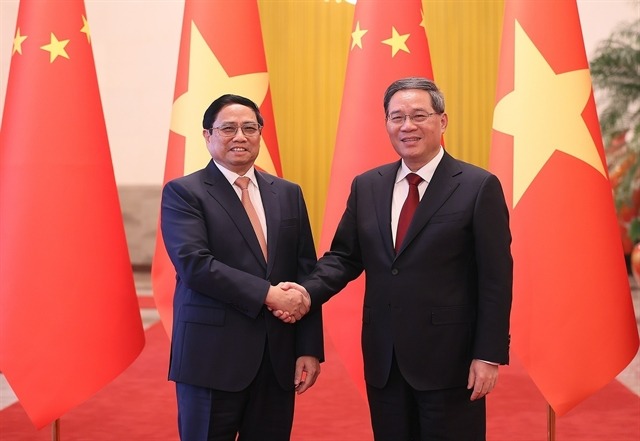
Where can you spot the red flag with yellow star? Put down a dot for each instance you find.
(388, 42)
(215, 59)
(573, 324)
(69, 317)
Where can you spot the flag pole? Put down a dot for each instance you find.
(551, 423)
(55, 430)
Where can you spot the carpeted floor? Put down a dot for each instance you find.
(139, 406)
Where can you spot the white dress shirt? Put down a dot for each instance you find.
(401, 187)
(254, 192)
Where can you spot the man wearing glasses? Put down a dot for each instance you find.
(432, 235)
(233, 234)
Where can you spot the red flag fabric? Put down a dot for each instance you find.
(69, 317)
(573, 324)
(211, 64)
(388, 42)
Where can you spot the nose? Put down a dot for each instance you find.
(240, 134)
(409, 121)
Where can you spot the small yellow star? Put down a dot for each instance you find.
(397, 42)
(357, 35)
(544, 115)
(423, 22)
(56, 48)
(85, 28)
(17, 42)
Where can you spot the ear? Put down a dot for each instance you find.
(444, 122)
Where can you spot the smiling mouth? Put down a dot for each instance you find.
(238, 149)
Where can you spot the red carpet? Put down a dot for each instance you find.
(139, 406)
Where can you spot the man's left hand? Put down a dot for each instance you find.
(483, 377)
(307, 371)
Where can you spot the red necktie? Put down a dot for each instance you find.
(409, 207)
(243, 183)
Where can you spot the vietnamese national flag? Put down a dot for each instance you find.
(573, 324)
(388, 42)
(69, 316)
(221, 51)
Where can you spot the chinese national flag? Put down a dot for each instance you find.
(69, 317)
(388, 43)
(215, 59)
(573, 325)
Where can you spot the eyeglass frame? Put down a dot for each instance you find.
(241, 127)
(411, 117)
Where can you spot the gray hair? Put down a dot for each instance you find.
(437, 98)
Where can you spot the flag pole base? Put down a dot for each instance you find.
(55, 430)
(551, 424)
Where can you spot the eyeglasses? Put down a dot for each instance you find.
(398, 120)
(229, 130)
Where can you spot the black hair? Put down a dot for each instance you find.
(216, 106)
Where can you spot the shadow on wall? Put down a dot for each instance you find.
(140, 206)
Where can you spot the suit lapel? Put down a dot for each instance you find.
(272, 213)
(220, 189)
(382, 193)
(442, 185)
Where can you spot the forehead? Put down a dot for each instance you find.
(236, 112)
(410, 99)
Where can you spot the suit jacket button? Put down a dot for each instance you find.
(394, 272)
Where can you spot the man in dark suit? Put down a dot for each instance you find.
(235, 365)
(436, 310)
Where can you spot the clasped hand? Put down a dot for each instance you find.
(288, 301)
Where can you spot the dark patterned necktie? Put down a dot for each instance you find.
(409, 207)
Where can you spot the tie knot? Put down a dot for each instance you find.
(414, 179)
(243, 182)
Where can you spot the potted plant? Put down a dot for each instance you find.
(615, 71)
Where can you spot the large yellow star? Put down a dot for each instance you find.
(544, 115)
(85, 28)
(397, 42)
(207, 81)
(357, 35)
(56, 48)
(17, 42)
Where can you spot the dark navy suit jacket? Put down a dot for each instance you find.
(445, 298)
(221, 325)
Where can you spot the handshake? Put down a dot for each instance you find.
(288, 301)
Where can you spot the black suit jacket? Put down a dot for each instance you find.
(220, 324)
(445, 298)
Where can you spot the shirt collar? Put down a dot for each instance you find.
(426, 172)
(232, 176)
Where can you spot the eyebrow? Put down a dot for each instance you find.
(418, 109)
(242, 123)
